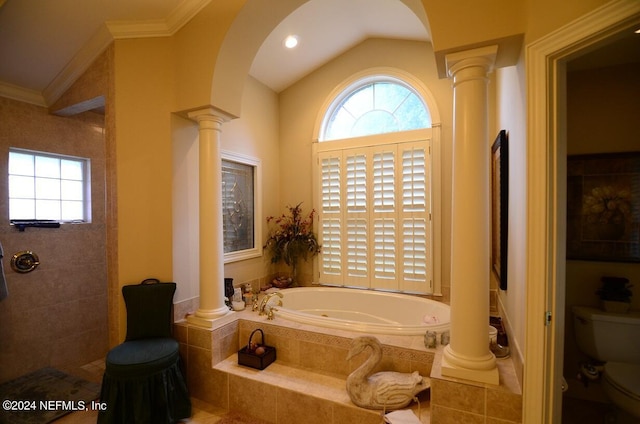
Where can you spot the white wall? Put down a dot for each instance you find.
(511, 116)
(185, 208)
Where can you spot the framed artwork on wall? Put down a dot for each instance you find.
(603, 207)
(499, 207)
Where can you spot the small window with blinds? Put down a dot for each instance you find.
(375, 220)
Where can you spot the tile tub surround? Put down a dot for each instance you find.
(310, 370)
(455, 400)
(313, 355)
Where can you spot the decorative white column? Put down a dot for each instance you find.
(211, 252)
(468, 355)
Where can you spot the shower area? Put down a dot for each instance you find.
(56, 315)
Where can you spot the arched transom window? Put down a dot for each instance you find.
(374, 188)
(375, 107)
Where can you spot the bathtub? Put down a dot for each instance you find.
(363, 311)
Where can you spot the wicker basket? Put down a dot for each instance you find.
(249, 358)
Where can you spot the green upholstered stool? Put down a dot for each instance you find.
(143, 381)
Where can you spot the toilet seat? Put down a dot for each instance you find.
(624, 377)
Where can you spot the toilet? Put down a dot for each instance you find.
(613, 339)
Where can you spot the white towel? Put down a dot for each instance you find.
(404, 416)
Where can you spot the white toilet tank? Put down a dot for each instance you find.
(608, 337)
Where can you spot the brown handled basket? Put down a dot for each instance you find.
(249, 358)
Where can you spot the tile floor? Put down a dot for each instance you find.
(202, 413)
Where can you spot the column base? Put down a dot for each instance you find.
(205, 318)
(482, 370)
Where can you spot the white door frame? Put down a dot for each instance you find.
(546, 191)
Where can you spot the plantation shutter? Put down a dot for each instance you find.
(330, 220)
(356, 217)
(384, 218)
(375, 226)
(416, 218)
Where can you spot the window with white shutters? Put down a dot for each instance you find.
(376, 235)
(373, 187)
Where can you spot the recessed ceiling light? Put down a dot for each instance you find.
(291, 41)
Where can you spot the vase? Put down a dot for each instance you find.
(228, 290)
(294, 273)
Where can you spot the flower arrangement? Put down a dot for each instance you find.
(607, 205)
(291, 237)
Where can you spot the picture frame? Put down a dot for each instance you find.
(500, 207)
(603, 207)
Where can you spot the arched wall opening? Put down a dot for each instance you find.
(230, 82)
(254, 23)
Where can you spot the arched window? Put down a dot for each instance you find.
(374, 187)
(381, 106)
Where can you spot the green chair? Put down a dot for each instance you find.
(143, 380)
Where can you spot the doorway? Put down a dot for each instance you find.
(546, 198)
(600, 87)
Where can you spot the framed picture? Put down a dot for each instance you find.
(603, 207)
(499, 207)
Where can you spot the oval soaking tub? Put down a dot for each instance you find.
(364, 311)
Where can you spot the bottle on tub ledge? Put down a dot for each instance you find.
(228, 291)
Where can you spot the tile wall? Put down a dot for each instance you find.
(318, 357)
(55, 315)
(451, 400)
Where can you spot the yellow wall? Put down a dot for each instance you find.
(197, 47)
(143, 104)
(301, 106)
(545, 16)
(155, 77)
(468, 22)
(256, 134)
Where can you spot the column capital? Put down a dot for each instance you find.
(484, 57)
(210, 113)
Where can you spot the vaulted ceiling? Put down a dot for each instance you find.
(40, 39)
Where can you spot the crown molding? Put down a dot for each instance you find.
(112, 30)
(182, 14)
(138, 29)
(158, 27)
(21, 94)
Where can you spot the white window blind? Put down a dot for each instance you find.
(375, 226)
